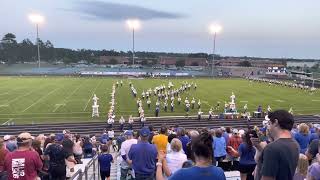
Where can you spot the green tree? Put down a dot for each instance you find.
(10, 48)
(315, 67)
(9, 38)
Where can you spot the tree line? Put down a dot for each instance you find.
(12, 52)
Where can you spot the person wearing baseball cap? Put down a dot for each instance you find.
(23, 163)
(124, 151)
(143, 156)
(57, 155)
(10, 143)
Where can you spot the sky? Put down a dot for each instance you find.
(272, 28)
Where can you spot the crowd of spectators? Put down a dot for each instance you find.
(26, 157)
(279, 149)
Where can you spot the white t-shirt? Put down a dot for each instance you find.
(111, 134)
(175, 160)
(124, 150)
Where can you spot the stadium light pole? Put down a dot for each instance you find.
(133, 24)
(37, 19)
(214, 30)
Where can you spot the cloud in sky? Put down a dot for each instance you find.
(118, 12)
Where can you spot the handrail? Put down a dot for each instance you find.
(79, 175)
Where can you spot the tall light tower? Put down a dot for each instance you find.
(37, 19)
(133, 24)
(214, 30)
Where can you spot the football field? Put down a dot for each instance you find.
(67, 99)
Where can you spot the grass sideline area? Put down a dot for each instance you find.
(26, 100)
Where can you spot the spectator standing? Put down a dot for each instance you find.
(152, 133)
(105, 159)
(203, 169)
(280, 158)
(24, 163)
(10, 142)
(219, 146)
(57, 155)
(183, 138)
(247, 152)
(111, 134)
(315, 135)
(77, 148)
(121, 122)
(3, 153)
(130, 121)
(124, 151)
(234, 142)
(302, 168)
(314, 170)
(303, 137)
(88, 148)
(170, 137)
(193, 135)
(143, 157)
(161, 140)
(174, 159)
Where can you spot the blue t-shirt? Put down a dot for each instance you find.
(246, 154)
(184, 141)
(143, 156)
(219, 146)
(303, 141)
(105, 162)
(313, 137)
(199, 173)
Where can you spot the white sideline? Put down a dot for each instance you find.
(43, 97)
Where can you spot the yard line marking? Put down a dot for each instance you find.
(92, 95)
(7, 121)
(244, 101)
(57, 107)
(26, 94)
(316, 100)
(52, 117)
(43, 97)
(279, 100)
(4, 93)
(74, 91)
(4, 105)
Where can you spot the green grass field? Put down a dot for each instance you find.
(66, 99)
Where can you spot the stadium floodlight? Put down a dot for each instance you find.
(37, 19)
(133, 24)
(214, 29)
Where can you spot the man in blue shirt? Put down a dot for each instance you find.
(143, 156)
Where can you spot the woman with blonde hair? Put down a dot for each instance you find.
(302, 168)
(303, 137)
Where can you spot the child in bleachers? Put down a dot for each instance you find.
(105, 159)
(302, 168)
